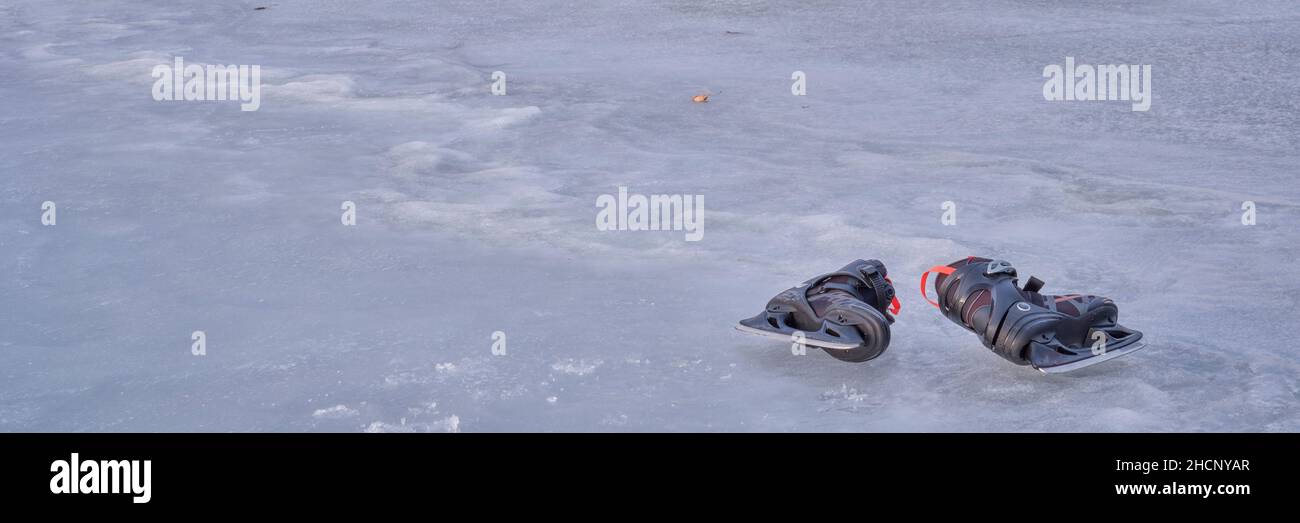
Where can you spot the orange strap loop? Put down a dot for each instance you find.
(941, 269)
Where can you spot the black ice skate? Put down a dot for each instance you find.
(1052, 333)
(847, 313)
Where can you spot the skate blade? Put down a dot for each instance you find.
(811, 342)
(1109, 355)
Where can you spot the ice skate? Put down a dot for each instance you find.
(1052, 333)
(847, 313)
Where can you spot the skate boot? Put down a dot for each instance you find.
(1052, 333)
(847, 313)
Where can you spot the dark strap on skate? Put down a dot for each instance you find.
(830, 285)
(879, 284)
(876, 286)
(1033, 285)
(941, 269)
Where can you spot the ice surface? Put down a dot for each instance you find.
(476, 213)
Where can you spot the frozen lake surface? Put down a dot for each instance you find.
(475, 213)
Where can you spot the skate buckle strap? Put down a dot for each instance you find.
(894, 305)
(1033, 285)
(999, 267)
(882, 286)
(941, 269)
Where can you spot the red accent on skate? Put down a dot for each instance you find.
(941, 269)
